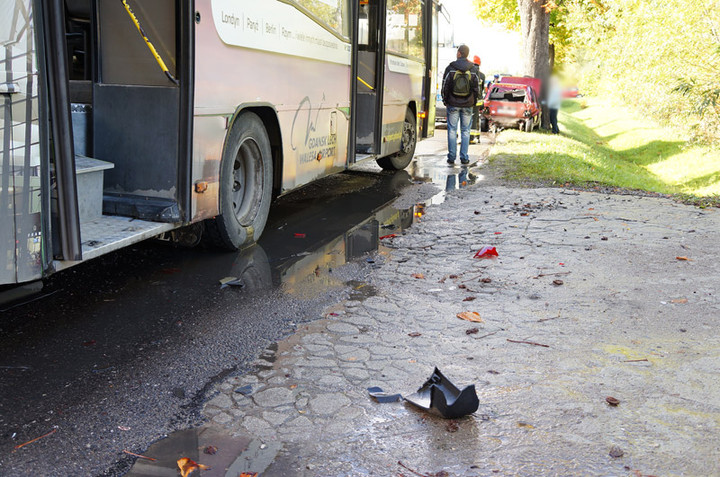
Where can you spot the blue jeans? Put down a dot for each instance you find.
(465, 117)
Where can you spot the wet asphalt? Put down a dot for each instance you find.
(116, 353)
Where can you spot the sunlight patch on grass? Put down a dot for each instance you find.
(607, 145)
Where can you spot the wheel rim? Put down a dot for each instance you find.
(408, 137)
(246, 186)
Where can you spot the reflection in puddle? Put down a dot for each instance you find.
(225, 456)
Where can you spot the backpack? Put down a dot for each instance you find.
(461, 83)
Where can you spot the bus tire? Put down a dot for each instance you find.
(245, 185)
(401, 159)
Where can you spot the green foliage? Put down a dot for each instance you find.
(660, 56)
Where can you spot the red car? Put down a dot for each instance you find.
(512, 103)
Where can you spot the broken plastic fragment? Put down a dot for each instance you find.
(383, 397)
(440, 395)
(299, 235)
(230, 281)
(486, 252)
(388, 236)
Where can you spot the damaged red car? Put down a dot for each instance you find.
(512, 103)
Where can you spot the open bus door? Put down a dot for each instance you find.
(368, 69)
(430, 85)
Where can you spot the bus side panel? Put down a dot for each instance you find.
(268, 54)
(403, 84)
(20, 180)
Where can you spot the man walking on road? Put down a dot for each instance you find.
(460, 91)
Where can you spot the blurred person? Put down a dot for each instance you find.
(554, 102)
(460, 92)
(475, 128)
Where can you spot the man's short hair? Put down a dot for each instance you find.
(464, 51)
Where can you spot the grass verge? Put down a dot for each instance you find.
(604, 146)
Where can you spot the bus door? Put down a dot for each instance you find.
(430, 86)
(20, 187)
(141, 106)
(369, 70)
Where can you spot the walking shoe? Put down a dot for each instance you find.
(451, 162)
(465, 162)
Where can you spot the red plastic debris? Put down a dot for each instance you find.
(299, 235)
(388, 236)
(486, 252)
(498, 233)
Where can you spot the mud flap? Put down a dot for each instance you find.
(440, 395)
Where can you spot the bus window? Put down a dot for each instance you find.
(333, 13)
(405, 27)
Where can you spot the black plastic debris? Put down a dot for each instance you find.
(383, 397)
(244, 390)
(231, 282)
(440, 395)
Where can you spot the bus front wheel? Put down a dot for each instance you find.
(401, 159)
(245, 185)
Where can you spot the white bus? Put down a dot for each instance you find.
(122, 120)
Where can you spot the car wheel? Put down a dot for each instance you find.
(528, 125)
(401, 159)
(246, 174)
(484, 125)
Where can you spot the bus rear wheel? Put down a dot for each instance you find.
(245, 185)
(401, 159)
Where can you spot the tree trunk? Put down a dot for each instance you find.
(535, 27)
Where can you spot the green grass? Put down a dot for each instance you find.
(609, 146)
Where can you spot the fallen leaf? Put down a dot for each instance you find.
(414, 334)
(248, 474)
(470, 298)
(453, 276)
(679, 300)
(471, 331)
(558, 282)
(293, 386)
(419, 276)
(473, 316)
(486, 280)
(683, 258)
(188, 466)
(210, 450)
(612, 401)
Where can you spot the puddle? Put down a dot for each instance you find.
(225, 456)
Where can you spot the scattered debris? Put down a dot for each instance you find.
(419, 276)
(210, 450)
(612, 401)
(89, 343)
(440, 395)
(138, 455)
(381, 396)
(299, 235)
(489, 334)
(558, 282)
(634, 360)
(469, 298)
(414, 334)
(686, 259)
(486, 252)
(616, 452)
(188, 466)
(19, 446)
(473, 316)
(244, 390)
(453, 276)
(486, 280)
(679, 300)
(452, 426)
(230, 282)
(471, 331)
(124, 428)
(388, 236)
(604, 238)
(528, 342)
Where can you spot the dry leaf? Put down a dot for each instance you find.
(470, 316)
(470, 298)
(679, 300)
(414, 334)
(188, 466)
(419, 276)
(683, 258)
